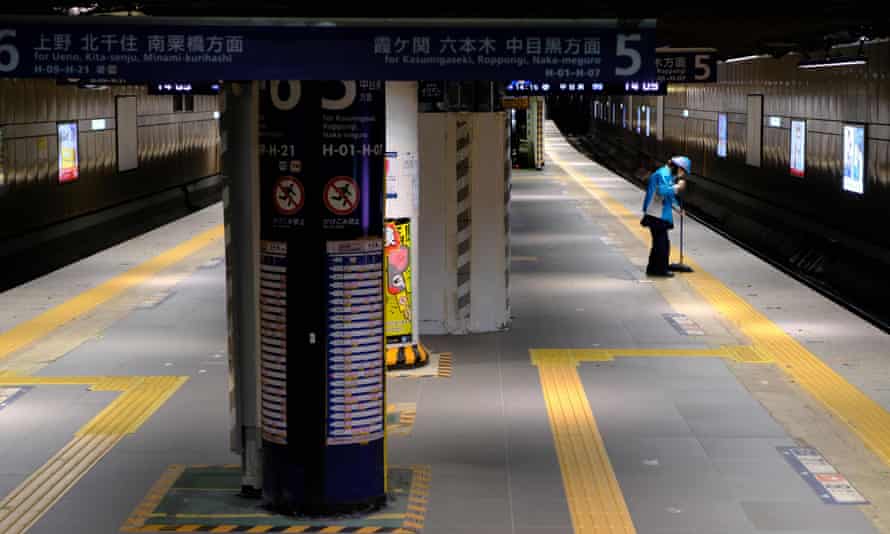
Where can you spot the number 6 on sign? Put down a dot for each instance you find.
(622, 50)
(9, 54)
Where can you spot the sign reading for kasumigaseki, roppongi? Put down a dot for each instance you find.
(140, 50)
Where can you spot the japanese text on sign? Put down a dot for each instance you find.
(199, 52)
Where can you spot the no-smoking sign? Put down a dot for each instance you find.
(341, 195)
(289, 195)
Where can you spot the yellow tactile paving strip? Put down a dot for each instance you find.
(866, 418)
(141, 396)
(863, 416)
(739, 354)
(595, 501)
(30, 331)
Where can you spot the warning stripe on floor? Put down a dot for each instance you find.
(165, 509)
(446, 365)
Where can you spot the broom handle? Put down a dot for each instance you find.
(682, 231)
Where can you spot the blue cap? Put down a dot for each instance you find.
(683, 162)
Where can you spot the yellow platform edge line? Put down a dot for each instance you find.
(26, 333)
(860, 414)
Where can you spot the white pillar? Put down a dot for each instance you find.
(464, 225)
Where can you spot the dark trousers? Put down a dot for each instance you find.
(661, 247)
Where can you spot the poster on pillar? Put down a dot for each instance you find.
(353, 135)
(398, 295)
(352, 169)
(355, 342)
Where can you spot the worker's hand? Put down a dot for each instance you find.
(681, 185)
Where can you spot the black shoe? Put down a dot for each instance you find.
(661, 275)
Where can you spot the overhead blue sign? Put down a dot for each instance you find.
(686, 65)
(122, 50)
(553, 87)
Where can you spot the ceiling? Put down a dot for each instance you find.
(735, 29)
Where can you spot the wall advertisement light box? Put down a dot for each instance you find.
(69, 168)
(798, 148)
(854, 158)
(721, 135)
(647, 121)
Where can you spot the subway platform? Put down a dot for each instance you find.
(728, 400)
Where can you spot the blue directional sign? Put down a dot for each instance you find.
(686, 65)
(554, 87)
(127, 50)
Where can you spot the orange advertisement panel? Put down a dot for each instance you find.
(69, 168)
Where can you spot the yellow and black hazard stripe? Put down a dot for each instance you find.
(274, 528)
(407, 357)
(463, 149)
(445, 365)
(418, 499)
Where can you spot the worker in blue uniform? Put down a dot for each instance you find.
(661, 196)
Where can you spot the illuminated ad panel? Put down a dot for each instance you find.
(854, 158)
(69, 168)
(798, 148)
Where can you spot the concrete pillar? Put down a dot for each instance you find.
(239, 123)
(464, 223)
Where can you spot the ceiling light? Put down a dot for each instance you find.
(832, 62)
(746, 58)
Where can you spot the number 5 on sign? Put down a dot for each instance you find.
(623, 51)
(294, 93)
(702, 69)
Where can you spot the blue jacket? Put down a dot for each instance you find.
(661, 195)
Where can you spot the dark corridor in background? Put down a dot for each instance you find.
(835, 240)
(135, 171)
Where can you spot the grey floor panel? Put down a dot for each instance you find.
(689, 459)
(682, 513)
(813, 518)
(767, 479)
(39, 423)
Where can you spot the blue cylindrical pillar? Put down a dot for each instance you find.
(321, 295)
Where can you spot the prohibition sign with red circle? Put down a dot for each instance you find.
(289, 195)
(341, 195)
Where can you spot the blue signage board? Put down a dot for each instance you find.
(553, 87)
(122, 50)
(686, 65)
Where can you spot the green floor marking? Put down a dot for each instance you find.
(207, 496)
